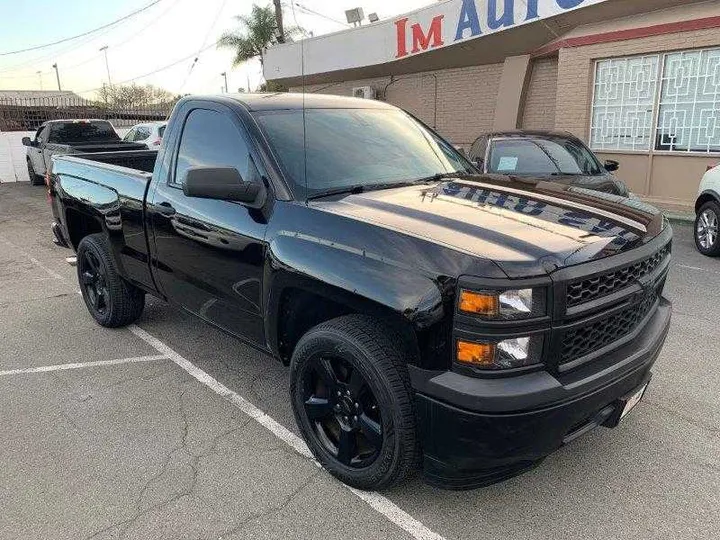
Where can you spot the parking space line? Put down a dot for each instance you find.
(688, 267)
(80, 365)
(376, 501)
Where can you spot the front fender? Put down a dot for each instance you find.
(359, 279)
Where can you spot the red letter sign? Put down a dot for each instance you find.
(422, 41)
(401, 41)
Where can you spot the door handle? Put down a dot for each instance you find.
(166, 209)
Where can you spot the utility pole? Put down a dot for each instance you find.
(39, 74)
(224, 75)
(107, 66)
(279, 21)
(57, 74)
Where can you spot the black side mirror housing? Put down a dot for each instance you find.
(479, 163)
(27, 142)
(223, 183)
(611, 165)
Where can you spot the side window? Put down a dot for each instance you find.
(210, 139)
(130, 135)
(479, 148)
(41, 134)
(142, 133)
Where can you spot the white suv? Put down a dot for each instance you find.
(707, 210)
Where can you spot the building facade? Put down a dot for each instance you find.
(638, 80)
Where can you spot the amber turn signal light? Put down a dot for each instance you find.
(476, 354)
(479, 303)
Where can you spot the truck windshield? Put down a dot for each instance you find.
(541, 157)
(359, 148)
(82, 132)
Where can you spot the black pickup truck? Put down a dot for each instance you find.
(430, 315)
(57, 137)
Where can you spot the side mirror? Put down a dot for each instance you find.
(611, 165)
(479, 163)
(222, 183)
(26, 141)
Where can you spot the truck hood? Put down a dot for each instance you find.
(527, 227)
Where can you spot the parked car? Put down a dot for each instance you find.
(707, 213)
(70, 137)
(558, 156)
(473, 323)
(148, 134)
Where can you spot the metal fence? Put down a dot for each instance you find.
(28, 114)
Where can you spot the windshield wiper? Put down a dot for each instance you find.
(364, 188)
(346, 190)
(442, 176)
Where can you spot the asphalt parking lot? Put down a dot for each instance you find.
(173, 430)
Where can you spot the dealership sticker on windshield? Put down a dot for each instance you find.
(507, 163)
(632, 401)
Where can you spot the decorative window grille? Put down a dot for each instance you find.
(622, 115)
(689, 115)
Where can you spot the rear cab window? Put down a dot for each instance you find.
(82, 132)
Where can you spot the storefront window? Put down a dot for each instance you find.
(689, 117)
(688, 112)
(625, 90)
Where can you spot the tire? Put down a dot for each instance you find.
(346, 349)
(111, 300)
(35, 179)
(706, 230)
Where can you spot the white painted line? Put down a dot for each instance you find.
(80, 365)
(697, 268)
(376, 501)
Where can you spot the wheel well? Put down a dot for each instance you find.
(80, 225)
(301, 310)
(702, 199)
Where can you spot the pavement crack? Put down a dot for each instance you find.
(269, 511)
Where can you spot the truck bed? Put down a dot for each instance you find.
(137, 160)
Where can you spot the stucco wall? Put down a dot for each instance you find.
(541, 95)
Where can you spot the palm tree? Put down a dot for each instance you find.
(258, 31)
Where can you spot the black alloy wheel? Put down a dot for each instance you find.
(353, 401)
(112, 301)
(93, 281)
(343, 411)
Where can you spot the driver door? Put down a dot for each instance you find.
(35, 153)
(210, 254)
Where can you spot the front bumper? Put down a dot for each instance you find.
(475, 432)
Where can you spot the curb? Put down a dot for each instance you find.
(680, 219)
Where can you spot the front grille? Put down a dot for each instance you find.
(599, 286)
(582, 341)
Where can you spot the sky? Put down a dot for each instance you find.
(169, 33)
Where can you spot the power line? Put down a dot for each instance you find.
(42, 59)
(309, 11)
(113, 23)
(207, 35)
(158, 70)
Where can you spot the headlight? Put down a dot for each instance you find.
(506, 354)
(510, 304)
